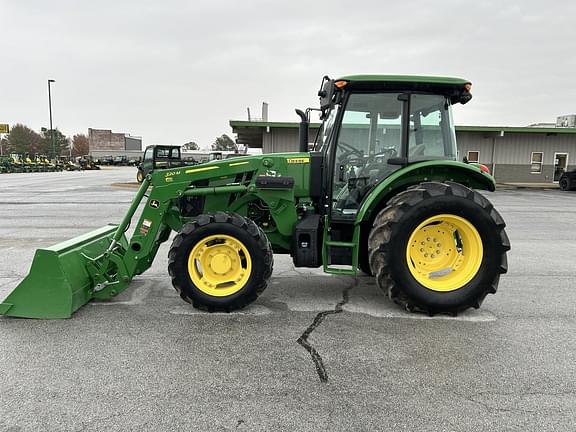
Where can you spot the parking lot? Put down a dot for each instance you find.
(148, 361)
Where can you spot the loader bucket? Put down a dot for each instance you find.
(58, 283)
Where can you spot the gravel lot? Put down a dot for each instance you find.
(148, 361)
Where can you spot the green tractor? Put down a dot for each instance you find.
(159, 157)
(381, 192)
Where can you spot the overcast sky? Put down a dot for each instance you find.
(174, 71)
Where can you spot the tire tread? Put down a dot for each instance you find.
(230, 218)
(379, 250)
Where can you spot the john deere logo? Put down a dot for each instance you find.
(154, 204)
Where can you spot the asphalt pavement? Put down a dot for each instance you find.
(148, 361)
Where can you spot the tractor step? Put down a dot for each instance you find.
(340, 244)
(335, 268)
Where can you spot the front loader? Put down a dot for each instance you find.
(381, 192)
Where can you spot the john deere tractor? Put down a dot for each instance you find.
(381, 192)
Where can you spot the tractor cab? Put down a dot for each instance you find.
(159, 157)
(375, 125)
(380, 135)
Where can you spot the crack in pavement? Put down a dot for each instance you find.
(303, 339)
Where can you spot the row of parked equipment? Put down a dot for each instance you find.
(18, 163)
(118, 161)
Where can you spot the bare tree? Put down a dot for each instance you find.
(80, 145)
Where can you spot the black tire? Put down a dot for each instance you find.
(564, 183)
(364, 262)
(232, 225)
(139, 176)
(388, 242)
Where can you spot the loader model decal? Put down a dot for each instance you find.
(304, 160)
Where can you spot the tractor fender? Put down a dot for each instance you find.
(439, 170)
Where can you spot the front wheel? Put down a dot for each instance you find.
(438, 248)
(139, 176)
(220, 262)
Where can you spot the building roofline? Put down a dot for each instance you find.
(246, 123)
(514, 129)
(505, 129)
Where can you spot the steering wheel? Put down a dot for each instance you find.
(351, 149)
(388, 153)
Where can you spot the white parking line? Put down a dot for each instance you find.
(138, 296)
(250, 310)
(381, 311)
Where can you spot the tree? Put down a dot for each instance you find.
(191, 146)
(22, 139)
(80, 146)
(224, 142)
(60, 142)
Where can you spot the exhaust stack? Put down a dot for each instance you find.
(303, 133)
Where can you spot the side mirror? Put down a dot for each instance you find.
(326, 93)
(465, 97)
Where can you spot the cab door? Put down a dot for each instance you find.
(369, 134)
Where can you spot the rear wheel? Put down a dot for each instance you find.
(564, 183)
(220, 262)
(438, 248)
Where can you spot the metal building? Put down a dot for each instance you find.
(513, 154)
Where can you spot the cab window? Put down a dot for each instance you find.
(148, 154)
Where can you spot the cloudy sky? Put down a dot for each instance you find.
(174, 71)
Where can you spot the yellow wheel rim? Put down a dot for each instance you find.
(444, 252)
(219, 265)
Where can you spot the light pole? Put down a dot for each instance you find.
(51, 129)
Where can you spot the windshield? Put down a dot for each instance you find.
(370, 134)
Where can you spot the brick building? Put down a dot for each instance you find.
(104, 142)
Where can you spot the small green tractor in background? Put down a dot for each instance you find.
(381, 192)
(159, 157)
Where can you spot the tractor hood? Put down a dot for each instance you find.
(287, 168)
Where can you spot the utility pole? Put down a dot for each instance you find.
(51, 128)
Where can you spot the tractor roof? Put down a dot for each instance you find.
(411, 79)
(434, 84)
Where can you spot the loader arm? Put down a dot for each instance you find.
(161, 214)
(101, 264)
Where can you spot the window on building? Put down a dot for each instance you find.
(536, 162)
(473, 156)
